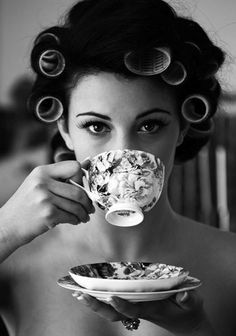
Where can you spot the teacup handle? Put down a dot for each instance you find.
(86, 173)
(90, 195)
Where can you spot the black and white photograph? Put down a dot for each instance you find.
(117, 167)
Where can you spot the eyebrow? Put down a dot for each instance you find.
(105, 117)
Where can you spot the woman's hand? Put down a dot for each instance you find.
(182, 314)
(44, 200)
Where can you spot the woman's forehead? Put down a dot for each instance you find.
(107, 91)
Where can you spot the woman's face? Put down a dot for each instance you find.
(110, 112)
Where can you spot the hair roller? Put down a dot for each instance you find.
(190, 55)
(201, 130)
(149, 62)
(175, 74)
(47, 60)
(53, 35)
(195, 108)
(47, 57)
(47, 108)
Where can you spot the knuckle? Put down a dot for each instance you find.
(73, 220)
(48, 213)
(43, 197)
(39, 170)
(38, 179)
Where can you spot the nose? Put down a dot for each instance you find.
(125, 140)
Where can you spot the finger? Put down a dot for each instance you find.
(61, 170)
(61, 154)
(102, 309)
(189, 300)
(125, 307)
(61, 217)
(71, 207)
(70, 192)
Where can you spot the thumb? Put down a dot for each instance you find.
(83, 171)
(189, 300)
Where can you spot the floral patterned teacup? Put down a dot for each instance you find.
(125, 183)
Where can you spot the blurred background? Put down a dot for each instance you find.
(209, 187)
(208, 190)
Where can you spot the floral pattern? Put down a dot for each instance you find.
(129, 270)
(126, 175)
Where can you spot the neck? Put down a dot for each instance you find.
(150, 239)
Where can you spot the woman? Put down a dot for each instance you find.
(118, 74)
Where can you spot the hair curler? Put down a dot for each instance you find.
(52, 35)
(193, 49)
(189, 56)
(51, 63)
(48, 108)
(175, 74)
(202, 130)
(148, 63)
(48, 61)
(195, 108)
(47, 38)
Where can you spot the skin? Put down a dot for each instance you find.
(31, 301)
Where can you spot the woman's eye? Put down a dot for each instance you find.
(150, 126)
(97, 128)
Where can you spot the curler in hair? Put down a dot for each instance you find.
(51, 35)
(148, 63)
(202, 130)
(190, 54)
(47, 60)
(194, 49)
(195, 108)
(46, 108)
(175, 74)
(47, 38)
(51, 63)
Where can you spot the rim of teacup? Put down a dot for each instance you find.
(123, 150)
(124, 214)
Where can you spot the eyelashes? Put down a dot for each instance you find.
(152, 126)
(99, 128)
(94, 127)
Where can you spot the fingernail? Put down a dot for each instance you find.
(84, 299)
(109, 300)
(114, 300)
(76, 294)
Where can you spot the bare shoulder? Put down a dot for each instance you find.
(208, 233)
(215, 247)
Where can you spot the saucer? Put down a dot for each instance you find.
(189, 284)
(128, 276)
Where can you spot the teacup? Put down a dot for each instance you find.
(125, 183)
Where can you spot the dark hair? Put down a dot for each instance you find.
(97, 34)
